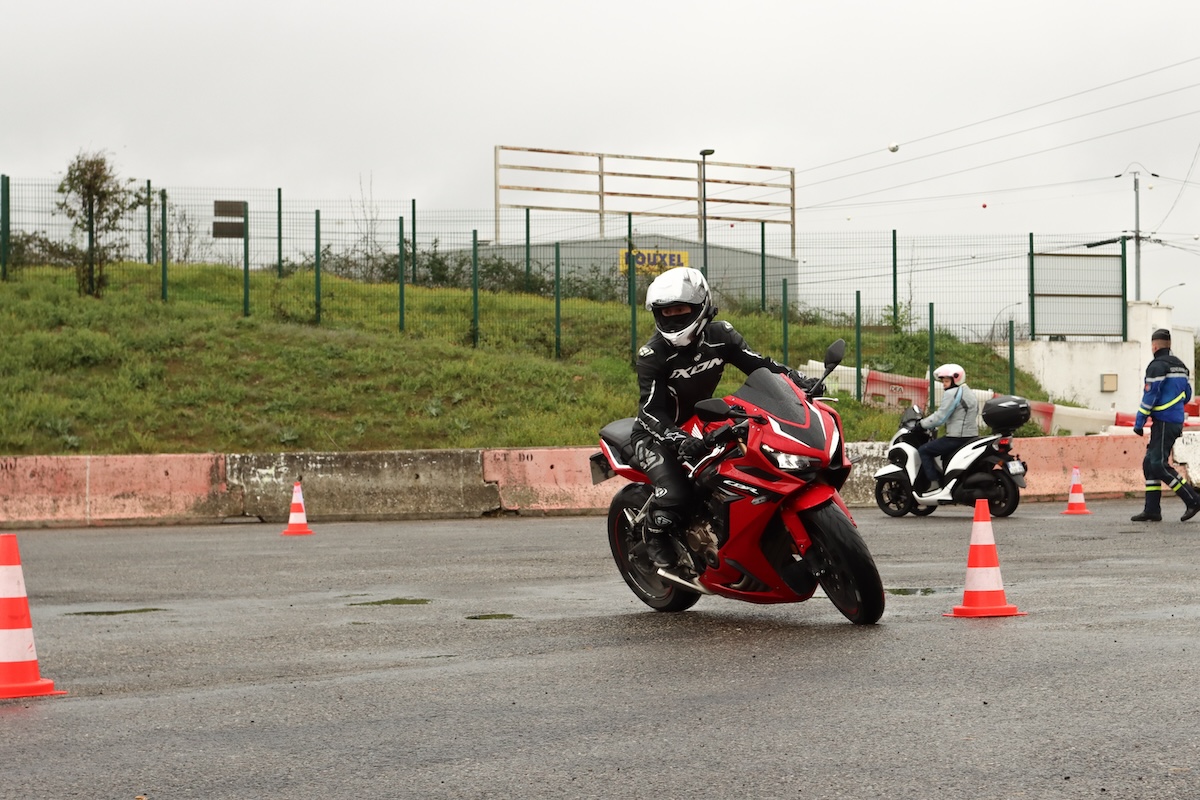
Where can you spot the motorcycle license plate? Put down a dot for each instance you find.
(1016, 468)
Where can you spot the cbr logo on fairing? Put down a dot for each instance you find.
(687, 372)
(741, 486)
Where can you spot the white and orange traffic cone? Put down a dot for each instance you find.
(1075, 502)
(984, 592)
(19, 674)
(297, 521)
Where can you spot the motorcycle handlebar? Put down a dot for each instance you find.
(728, 433)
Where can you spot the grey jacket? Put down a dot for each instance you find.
(959, 412)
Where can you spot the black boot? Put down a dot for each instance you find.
(660, 546)
(1152, 510)
(1192, 498)
(660, 550)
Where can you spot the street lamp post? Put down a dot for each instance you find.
(704, 154)
(1169, 288)
(992, 332)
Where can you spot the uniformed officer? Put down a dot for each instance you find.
(1167, 388)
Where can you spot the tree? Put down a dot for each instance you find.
(96, 200)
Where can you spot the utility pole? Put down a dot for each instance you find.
(1137, 239)
(1137, 229)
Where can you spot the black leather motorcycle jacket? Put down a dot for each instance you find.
(671, 381)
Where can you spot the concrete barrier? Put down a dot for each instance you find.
(391, 484)
(61, 491)
(548, 480)
(103, 490)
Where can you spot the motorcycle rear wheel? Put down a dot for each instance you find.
(1005, 495)
(893, 497)
(843, 565)
(629, 552)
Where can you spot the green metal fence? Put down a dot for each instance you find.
(458, 275)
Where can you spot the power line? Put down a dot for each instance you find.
(1006, 160)
(997, 138)
(1179, 194)
(1010, 113)
(989, 192)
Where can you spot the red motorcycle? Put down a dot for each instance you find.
(767, 523)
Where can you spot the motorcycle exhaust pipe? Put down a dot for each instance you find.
(695, 587)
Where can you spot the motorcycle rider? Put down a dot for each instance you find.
(1164, 394)
(679, 366)
(959, 412)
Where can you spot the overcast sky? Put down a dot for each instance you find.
(1028, 106)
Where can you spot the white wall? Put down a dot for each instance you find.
(1071, 371)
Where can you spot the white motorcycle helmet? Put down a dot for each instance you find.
(954, 372)
(686, 286)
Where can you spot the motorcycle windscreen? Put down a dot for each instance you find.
(774, 395)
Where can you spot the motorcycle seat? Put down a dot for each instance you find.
(617, 434)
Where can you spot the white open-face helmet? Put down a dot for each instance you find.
(954, 372)
(686, 286)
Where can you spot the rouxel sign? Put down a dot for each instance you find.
(654, 262)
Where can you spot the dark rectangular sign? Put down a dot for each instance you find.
(229, 208)
(229, 230)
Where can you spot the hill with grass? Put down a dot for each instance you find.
(130, 373)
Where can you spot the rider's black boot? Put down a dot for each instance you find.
(660, 547)
(660, 550)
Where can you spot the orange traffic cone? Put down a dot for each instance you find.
(19, 674)
(1075, 502)
(984, 593)
(297, 522)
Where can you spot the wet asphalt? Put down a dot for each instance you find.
(505, 658)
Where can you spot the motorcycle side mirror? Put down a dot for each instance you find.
(714, 409)
(834, 354)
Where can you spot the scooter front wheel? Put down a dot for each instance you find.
(893, 497)
(629, 551)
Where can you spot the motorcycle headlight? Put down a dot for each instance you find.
(790, 462)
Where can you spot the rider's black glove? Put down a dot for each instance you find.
(690, 448)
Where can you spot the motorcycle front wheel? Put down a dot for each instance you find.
(629, 551)
(842, 564)
(1004, 496)
(893, 496)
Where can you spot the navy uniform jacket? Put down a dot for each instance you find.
(1167, 389)
(672, 380)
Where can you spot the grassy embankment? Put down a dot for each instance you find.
(131, 374)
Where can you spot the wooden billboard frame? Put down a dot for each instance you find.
(605, 197)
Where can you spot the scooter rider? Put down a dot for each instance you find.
(959, 412)
(679, 366)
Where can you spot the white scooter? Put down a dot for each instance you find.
(983, 468)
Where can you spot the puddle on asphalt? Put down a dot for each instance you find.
(112, 613)
(395, 601)
(905, 591)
